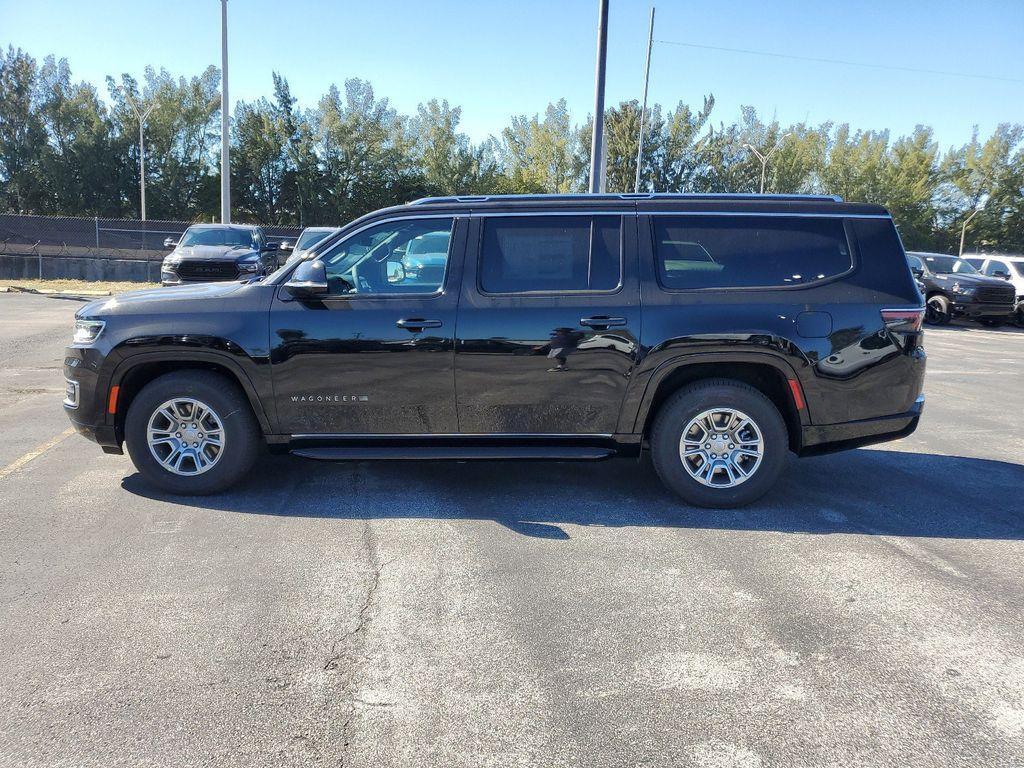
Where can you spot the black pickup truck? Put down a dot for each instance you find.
(721, 334)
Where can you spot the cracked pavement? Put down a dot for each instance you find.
(867, 613)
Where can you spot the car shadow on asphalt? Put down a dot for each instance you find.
(874, 492)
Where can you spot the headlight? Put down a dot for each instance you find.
(962, 289)
(87, 331)
(247, 266)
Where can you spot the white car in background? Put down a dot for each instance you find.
(309, 237)
(1009, 268)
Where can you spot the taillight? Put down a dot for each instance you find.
(903, 320)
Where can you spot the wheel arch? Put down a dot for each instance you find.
(135, 372)
(768, 374)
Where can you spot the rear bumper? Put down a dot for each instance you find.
(817, 439)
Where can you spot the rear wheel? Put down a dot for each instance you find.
(938, 311)
(719, 443)
(192, 433)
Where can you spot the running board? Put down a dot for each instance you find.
(457, 453)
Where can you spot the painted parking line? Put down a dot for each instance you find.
(36, 452)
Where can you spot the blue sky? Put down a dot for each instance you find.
(497, 58)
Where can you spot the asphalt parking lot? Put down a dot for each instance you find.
(869, 612)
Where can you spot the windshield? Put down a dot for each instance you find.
(310, 238)
(216, 236)
(949, 265)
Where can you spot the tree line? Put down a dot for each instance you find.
(65, 150)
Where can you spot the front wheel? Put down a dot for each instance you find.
(719, 443)
(192, 433)
(938, 310)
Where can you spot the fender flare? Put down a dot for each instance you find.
(191, 355)
(673, 364)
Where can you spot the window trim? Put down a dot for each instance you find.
(854, 255)
(442, 289)
(549, 293)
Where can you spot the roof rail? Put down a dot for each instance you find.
(626, 196)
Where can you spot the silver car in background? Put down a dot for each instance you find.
(309, 237)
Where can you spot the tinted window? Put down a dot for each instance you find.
(747, 251)
(915, 263)
(216, 236)
(995, 267)
(551, 253)
(390, 258)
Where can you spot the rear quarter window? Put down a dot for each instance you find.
(695, 252)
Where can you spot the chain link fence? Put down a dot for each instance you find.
(93, 249)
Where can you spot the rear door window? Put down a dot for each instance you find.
(694, 252)
(550, 254)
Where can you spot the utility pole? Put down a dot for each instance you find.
(597, 140)
(765, 158)
(225, 118)
(963, 230)
(643, 106)
(141, 115)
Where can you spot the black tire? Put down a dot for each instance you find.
(693, 400)
(938, 311)
(991, 322)
(242, 439)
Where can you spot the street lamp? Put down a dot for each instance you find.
(977, 209)
(225, 120)
(765, 158)
(141, 115)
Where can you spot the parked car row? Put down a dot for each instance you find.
(954, 287)
(214, 252)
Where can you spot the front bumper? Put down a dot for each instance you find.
(86, 410)
(967, 307)
(817, 439)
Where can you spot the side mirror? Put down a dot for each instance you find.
(269, 247)
(1002, 275)
(309, 280)
(917, 272)
(170, 242)
(286, 246)
(395, 271)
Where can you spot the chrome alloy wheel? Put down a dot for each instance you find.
(721, 447)
(185, 436)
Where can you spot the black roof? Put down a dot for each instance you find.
(648, 201)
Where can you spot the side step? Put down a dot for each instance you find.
(452, 452)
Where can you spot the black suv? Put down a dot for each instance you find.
(954, 288)
(719, 333)
(211, 252)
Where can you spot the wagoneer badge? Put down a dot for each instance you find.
(329, 398)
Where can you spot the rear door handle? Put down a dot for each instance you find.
(417, 324)
(603, 322)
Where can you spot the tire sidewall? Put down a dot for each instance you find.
(241, 434)
(944, 314)
(695, 399)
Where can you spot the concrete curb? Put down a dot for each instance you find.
(47, 292)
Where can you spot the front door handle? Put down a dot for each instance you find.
(603, 322)
(417, 324)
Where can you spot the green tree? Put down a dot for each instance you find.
(543, 155)
(23, 143)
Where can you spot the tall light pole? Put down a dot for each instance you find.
(643, 106)
(765, 158)
(225, 117)
(977, 209)
(141, 115)
(597, 140)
